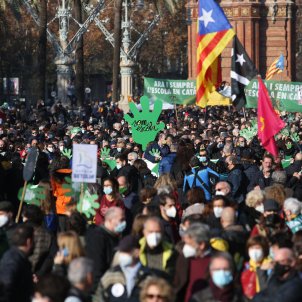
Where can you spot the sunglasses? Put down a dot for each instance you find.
(151, 296)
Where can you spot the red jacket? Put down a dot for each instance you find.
(105, 204)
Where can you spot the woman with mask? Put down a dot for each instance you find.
(111, 198)
(255, 275)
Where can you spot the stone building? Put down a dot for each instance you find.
(266, 28)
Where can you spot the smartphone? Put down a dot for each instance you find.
(65, 252)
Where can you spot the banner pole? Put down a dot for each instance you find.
(175, 108)
(21, 202)
(244, 113)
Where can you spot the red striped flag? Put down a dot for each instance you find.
(214, 34)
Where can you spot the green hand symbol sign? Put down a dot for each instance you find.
(88, 204)
(105, 153)
(295, 137)
(67, 186)
(155, 152)
(144, 123)
(33, 194)
(67, 153)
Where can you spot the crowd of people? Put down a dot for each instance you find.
(219, 220)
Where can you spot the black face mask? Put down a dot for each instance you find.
(272, 220)
(280, 269)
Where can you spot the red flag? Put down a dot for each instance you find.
(269, 123)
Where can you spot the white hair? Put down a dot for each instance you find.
(293, 205)
(78, 270)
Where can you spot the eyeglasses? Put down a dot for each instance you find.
(151, 296)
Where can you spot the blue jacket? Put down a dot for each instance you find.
(204, 176)
(164, 150)
(166, 163)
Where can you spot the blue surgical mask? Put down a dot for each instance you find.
(108, 190)
(203, 159)
(120, 228)
(222, 278)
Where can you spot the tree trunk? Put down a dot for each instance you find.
(116, 51)
(79, 66)
(39, 77)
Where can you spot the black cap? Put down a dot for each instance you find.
(271, 205)
(6, 206)
(127, 244)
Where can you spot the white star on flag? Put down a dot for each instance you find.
(206, 17)
(240, 59)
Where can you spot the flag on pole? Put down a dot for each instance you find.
(276, 67)
(269, 123)
(243, 71)
(214, 34)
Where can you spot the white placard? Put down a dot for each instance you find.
(84, 163)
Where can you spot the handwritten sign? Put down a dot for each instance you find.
(144, 123)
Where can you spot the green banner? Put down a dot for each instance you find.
(286, 96)
(182, 92)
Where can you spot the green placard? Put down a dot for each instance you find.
(144, 123)
(286, 96)
(182, 92)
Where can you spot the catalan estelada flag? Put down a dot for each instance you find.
(269, 123)
(276, 67)
(214, 33)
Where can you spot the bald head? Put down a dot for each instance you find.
(298, 156)
(228, 217)
(285, 256)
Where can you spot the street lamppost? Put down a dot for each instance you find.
(64, 47)
(129, 48)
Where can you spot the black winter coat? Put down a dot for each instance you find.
(16, 276)
(100, 247)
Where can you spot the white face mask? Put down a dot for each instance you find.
(219, 193)
(61, 148)
(256, 254)
(217, 211)
(153, 239)
(171, 212)
(125, 259)
(50, 149)
(189, 251)
(260, 208)
(118, 166)
(3, 220)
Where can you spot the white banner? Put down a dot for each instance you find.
(84, 163)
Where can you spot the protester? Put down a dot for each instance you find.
(203, 185)
(222, 286)
(15, 268)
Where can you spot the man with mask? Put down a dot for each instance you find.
(221, 285)
(123, 281)
(102, 240)
(223, 188)
(192, 264)
(124, 169)
(15, 268)
(167, 206)
(7, 225)
(236, 178)
(285, 283)
(130, 198)
(155, 252)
